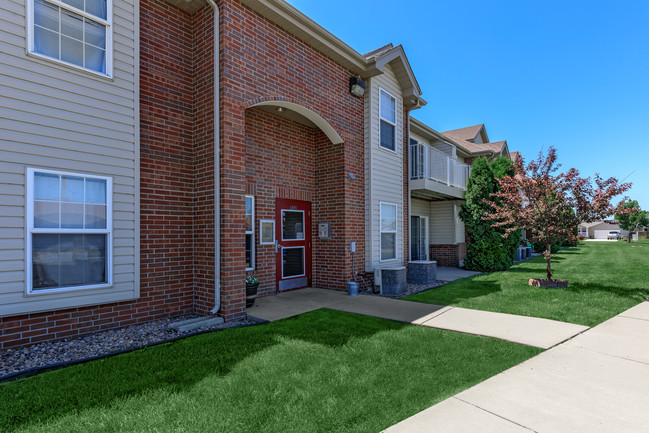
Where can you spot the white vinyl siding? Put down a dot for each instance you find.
(383, 169)
(442, 222)
(64, 119)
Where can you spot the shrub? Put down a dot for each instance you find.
(488, 249)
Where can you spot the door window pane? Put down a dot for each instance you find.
(292, 262)
(292, 225)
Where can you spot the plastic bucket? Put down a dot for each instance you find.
(352, 288)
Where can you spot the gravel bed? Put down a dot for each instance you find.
(411, 289)
(100, 343)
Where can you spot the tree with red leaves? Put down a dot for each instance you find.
(548, 206)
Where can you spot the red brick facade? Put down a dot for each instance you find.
(262, 154)
(263, 63)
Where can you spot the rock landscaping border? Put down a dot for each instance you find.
(30, 360)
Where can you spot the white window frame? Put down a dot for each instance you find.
(303, 262)
(382, 119)
(31, 230)
(303, 224)
(395, 231)
(252, 233)
(108, 23)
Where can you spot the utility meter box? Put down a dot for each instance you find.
(324, 230)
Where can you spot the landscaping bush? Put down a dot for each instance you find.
(488, 250)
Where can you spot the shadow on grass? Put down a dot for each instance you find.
(636, 293)
(466, 288)
(173, 366)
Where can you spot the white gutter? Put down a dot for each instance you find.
(217, 166)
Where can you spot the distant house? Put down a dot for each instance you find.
(599, 229)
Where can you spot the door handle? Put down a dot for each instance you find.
(278, 246)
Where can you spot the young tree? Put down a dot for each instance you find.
(631, 217)
(549, 205)
(487, 248)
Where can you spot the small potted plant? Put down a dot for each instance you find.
(252, 284)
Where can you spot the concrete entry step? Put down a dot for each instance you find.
(196, 323)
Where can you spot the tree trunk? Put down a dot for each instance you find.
(548, 255)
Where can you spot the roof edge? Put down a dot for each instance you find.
(294, 21)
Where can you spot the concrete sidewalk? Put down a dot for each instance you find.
(595, 382)
(531, 331)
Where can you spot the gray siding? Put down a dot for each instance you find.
(59, 118)
(384, 170)
(442, 223)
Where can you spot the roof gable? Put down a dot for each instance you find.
(396, 58)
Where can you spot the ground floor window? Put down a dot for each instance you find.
(69, 230)
(418, 238)
(388, 228)
(250, 233)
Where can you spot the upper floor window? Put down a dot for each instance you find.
(388, 116)
(69, 231)
(73, 32)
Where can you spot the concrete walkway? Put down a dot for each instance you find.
(595, 382)
(531, 331)
(449, 273)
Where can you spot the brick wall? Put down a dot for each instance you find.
(262, 62)
(446, 254)
(280, 163)
(259, 61)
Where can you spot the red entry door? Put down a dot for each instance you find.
(293, 244)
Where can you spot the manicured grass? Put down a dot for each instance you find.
(604, 279)
(322, 371)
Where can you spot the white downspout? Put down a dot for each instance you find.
(217, 166)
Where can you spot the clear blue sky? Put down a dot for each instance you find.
(572, 74)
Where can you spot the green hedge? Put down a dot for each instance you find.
(488, 249)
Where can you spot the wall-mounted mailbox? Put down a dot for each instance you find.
(324, 230)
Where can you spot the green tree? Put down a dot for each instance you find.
(634, 218)
(488, 249)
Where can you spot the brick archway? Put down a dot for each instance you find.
(314, 117)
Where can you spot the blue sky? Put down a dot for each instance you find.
(570, 74)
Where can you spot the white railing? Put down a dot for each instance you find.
(426, 162)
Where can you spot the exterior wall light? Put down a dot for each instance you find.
(356, 87)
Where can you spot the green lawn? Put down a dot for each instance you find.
(322, 371)
(604, 279)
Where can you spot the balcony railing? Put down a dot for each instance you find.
(430, 163)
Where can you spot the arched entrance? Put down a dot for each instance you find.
(294, 179)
